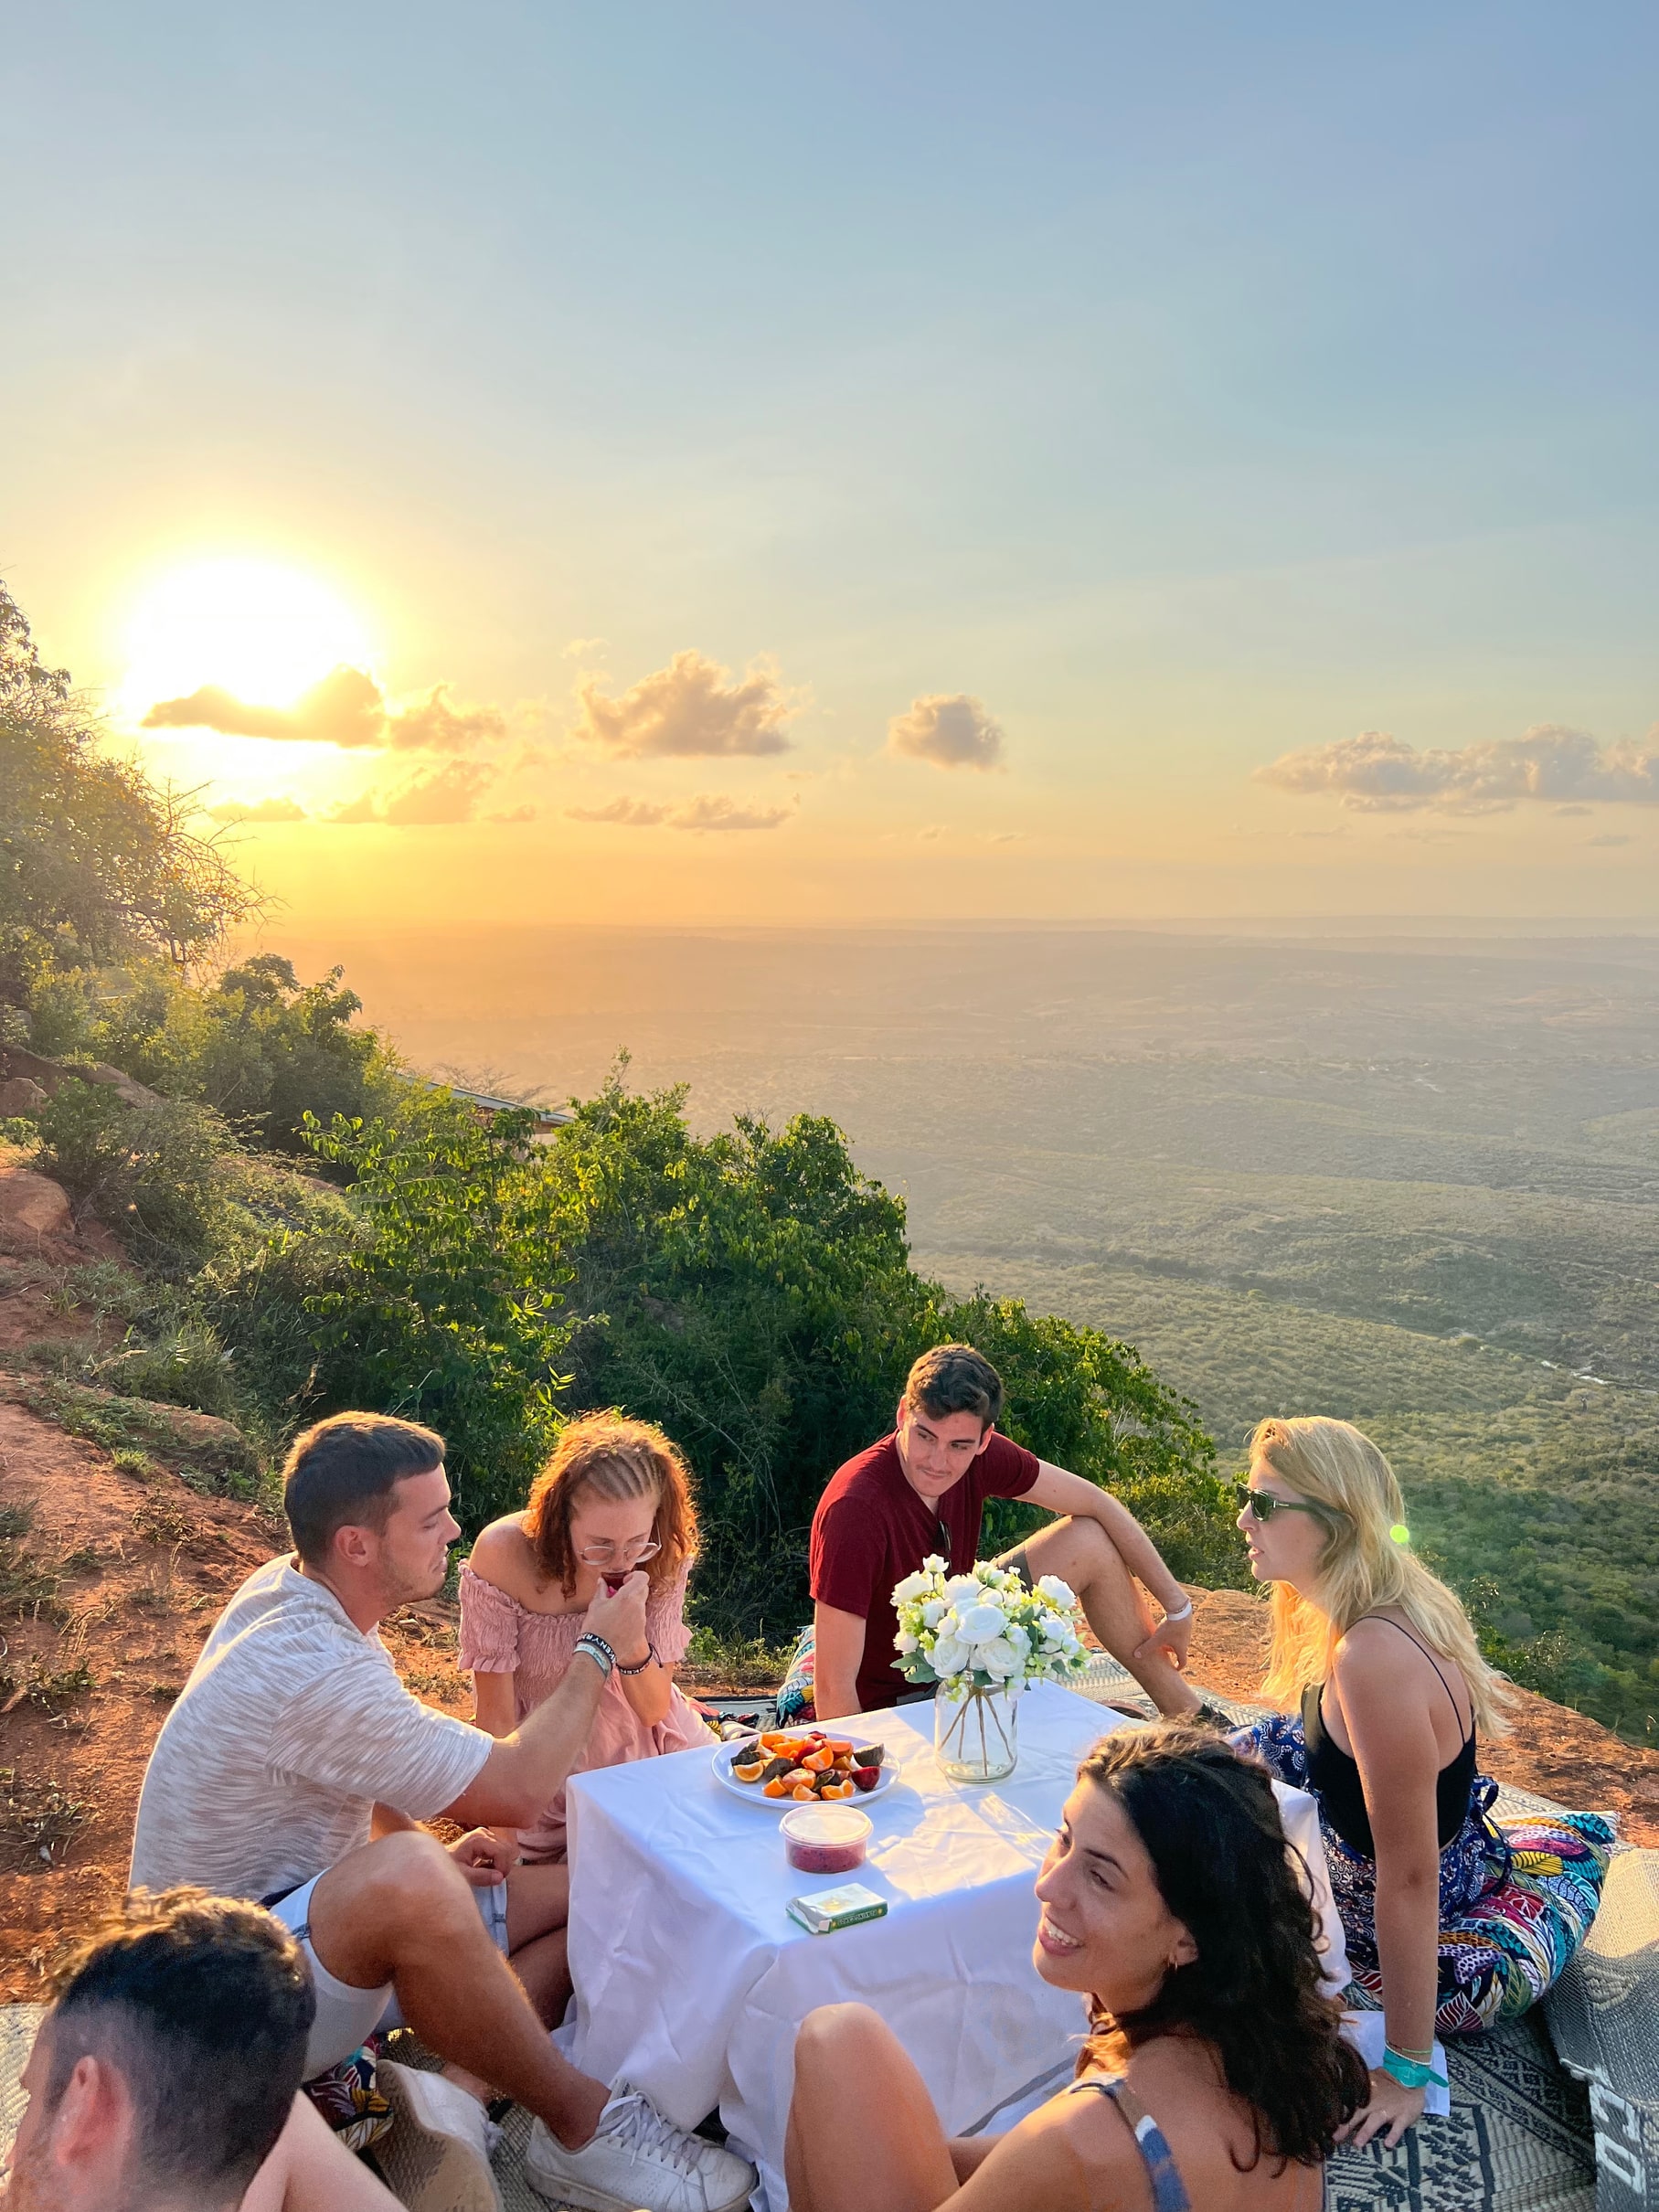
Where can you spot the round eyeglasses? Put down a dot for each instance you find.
(611, 1555)
(1262, 1504)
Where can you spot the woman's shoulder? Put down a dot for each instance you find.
(503, 1557)
(1378, 1648)
(1073, 2151)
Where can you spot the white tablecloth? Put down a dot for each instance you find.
(691, 1979)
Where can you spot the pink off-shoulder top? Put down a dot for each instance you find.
(499, 1637)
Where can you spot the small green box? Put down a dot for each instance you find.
(843, 1907)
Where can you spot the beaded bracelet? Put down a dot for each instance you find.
(1407, 2072)
(644, 1663)
(598, 1650)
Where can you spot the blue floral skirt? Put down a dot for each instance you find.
(1517, 1897)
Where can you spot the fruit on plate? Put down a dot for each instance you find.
(806, 1764)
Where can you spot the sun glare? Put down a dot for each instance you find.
(263, 631)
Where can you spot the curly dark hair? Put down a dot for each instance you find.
(1210, 1825)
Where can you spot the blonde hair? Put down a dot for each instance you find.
(1331, 1464)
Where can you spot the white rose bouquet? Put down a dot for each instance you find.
(986, 1631)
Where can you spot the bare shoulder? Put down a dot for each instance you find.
(1073, 2154)
(502, 1556)
(1370, 1646)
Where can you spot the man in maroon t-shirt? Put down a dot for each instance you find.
(923, 1490)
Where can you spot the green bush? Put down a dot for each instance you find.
(258, 1045)
(155, 1174)
(751, 1291)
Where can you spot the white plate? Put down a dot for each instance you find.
(751, 1793)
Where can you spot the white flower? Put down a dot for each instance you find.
(1057, 1631)
(981, 1622)
(960, 1588)
(1056, 1592)
(933, 1563)
(999, 1658)
(933, 1612)
(950, 1655)
(913, 1586)
(904, 1643)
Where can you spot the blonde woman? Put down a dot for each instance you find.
(615, 1496)
(1451, 1921)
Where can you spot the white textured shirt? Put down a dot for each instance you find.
(293, 1724)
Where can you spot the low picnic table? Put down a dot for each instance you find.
(691, 1979)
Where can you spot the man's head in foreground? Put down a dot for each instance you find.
(950, 1404)
(369, 1505)
(165, 2069)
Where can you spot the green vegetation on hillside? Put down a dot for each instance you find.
(1533, 1490)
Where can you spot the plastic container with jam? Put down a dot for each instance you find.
(825, 1839)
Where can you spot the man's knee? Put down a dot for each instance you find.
(1084, 1547)
(410, 1880)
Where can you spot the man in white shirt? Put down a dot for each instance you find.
(294, 1770)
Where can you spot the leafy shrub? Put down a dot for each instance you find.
(751, 1291)
(154, 1173)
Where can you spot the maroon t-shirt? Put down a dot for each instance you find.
(871, 1529)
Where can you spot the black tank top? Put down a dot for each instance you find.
(1335, 1773)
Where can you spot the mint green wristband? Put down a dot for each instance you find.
(1407, 2072)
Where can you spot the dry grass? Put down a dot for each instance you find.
(38, 1817)
(28, 1589)
(163, 1520)
(48, 1689)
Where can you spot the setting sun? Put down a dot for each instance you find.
(263, 630)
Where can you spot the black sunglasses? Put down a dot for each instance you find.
(1262, 1504)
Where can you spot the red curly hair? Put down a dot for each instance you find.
(615, 1458)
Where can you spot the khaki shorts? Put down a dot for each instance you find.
(347, 2015)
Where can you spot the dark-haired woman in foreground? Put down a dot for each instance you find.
(1213, 2079)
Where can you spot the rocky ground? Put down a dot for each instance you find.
(119, 1543)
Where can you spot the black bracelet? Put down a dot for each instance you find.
(649, 1658)
(598, 1651)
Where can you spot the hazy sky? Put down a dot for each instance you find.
(853, 461)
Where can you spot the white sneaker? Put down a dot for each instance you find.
(637, 2162)
(437, 2157)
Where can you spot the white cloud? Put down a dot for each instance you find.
(435, 725)
(1376, 773)
(629, 814)
(261, 810)
(929, 832)
(707, 811)
(347, 709)
(449, 795)
(514, 813)
(948, 728)
(690, 708)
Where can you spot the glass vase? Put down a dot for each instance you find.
(976, 1733)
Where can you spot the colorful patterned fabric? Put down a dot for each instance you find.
(1517, 1899)
(795, 1699)
(349, 2098)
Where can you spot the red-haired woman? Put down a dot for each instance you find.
(615, 1495)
